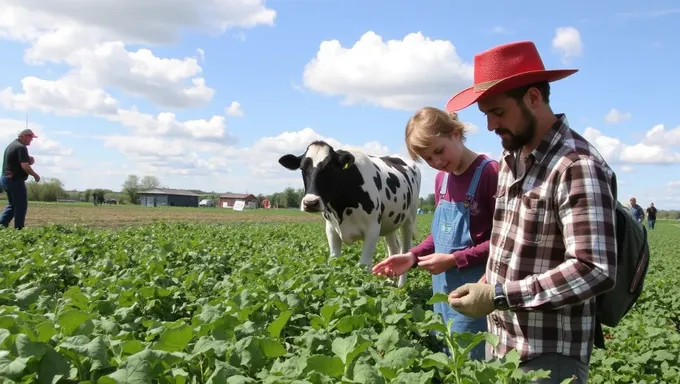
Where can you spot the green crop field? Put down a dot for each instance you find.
(137, 295)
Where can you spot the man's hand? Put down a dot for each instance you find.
(36, 177)
(473, 299)
(437, 262)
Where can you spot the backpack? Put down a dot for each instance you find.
(632, 251)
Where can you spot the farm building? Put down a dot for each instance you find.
(227, 200)
(166, 196)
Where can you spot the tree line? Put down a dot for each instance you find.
(52, 189)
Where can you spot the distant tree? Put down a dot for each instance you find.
(98, 196)
(131, 188)
(149, 182)
(48, 189)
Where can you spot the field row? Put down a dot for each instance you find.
(256, 302)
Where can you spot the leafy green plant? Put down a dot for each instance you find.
(262, 303)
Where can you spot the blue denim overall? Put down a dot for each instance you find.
(451, 232)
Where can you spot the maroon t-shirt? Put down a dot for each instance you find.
(481, 211)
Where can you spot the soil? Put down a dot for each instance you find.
(115, 216)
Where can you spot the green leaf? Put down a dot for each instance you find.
(10, 368)
(70, 320)
(439, 360)
(53, 366)
(350, 323)
(277, 325)
(271, 348)
(95, 349)
(174, 339)
(331, 366)
(438, 298)
(349, 347)
(366, 373)
(28, 296)
(388, 339)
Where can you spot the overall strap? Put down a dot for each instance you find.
(475, 180)
(444, 186)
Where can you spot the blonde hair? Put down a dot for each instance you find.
(428, 123)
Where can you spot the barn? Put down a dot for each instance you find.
(227, 200)
(168, 197)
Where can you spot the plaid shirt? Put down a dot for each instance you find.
(551, 276)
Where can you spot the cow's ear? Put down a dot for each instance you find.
(346, 159)
(290, 161)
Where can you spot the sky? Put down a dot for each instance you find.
(209, 94)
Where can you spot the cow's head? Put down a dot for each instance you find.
(320, 165)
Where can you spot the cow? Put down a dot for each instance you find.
(362, 197)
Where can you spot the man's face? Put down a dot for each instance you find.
(510, 119)
(26, 139)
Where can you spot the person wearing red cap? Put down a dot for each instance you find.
(553, 244)
(16, 167)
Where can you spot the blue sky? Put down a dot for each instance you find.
(98, 78)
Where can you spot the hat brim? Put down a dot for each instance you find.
(469, 96)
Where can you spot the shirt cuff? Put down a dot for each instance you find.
(460, 259)
(513, 292)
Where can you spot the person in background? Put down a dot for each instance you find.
(651, 215)
(553, 245)
(636, 210)
(16, 167)
(457, 248)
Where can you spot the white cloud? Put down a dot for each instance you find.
(614, 116)
(674, 184)
(133, 21)
(234, 109)
(255, 166)
(567, 42)
(627, 169)
(91, 39)
(659, 136)
(650, 151)
(399, 74)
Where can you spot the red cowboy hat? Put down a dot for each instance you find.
(505, 67)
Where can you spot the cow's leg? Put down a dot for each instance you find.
(407, 231)
(392, 242)
(370, 243)
(334, 241)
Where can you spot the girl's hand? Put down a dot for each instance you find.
(437, 262)
(395, 265)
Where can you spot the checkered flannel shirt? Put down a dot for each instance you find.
(551, 275)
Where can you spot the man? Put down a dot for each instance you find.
(651, 215)
(553, 245)
(16, 167)
(636, 210)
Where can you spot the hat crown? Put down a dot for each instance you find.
(507, 60)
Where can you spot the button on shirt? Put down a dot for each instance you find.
(553, 246)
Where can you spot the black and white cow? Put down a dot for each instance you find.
(362, 197)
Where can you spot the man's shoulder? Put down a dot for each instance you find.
(15, 144)
(575, 148)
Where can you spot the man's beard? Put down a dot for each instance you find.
(516, 141)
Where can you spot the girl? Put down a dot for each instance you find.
(457, 248)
